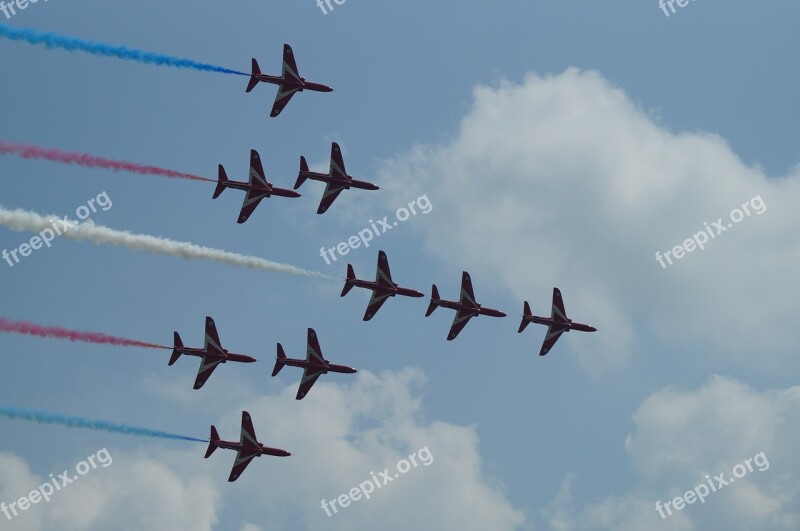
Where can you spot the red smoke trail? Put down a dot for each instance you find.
(90, 161)
(32, 329)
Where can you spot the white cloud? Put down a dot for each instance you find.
(134, 492)
(562, 180)
(338, 435)
(683, 436)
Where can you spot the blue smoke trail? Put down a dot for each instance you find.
(54, 40)
(42, 417)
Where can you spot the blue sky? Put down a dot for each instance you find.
(560, 144)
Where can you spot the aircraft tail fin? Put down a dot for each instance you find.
(434, 295)
(175, 352)
(253, 79)
(279, 361)
(222, 182)
(301, 178)
(526, 312)
(348, 284)
(212, 444)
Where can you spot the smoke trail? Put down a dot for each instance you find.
(90, 161)
(43, 417)
(33, 329)
(24, 220)
(54, 40)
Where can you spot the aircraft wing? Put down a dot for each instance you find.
(251, 200)
(213, 343)
(467, 295)
(375, 304)
(248, 435)
(313, 350)
(285, 93)
(332, 191)
(553, 333)
(337, 163)
(309, 379)
(459, 322)
(558, 312)
(243, 458)
(257, 177)
(383, 275)
(250, 449)
(207, 366)
(289, 65)
(290, 73)
(313, 355)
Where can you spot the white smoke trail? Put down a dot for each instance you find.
(28, 221)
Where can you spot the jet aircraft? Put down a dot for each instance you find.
(212, 354)
(382, 288)
(289, 82)
(337, 179)
(247, 448)
(314, 364)
(557, 323)
(257, 188)
(466, 308)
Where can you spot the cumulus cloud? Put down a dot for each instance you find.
(682, 438)
(339, 436)
(563, 180)
(134, 492)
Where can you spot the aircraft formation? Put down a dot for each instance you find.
(314, 365)
(383, 287)
(213, 354)
(466, 306)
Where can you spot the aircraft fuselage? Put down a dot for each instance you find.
(258, 452)
(226, 356)
(468, 308)
(300, 85)
(580, 327)
(385, 288)
(305, 364)
(328, 178)
(242, 185)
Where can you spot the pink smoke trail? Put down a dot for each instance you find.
(90, 161)
(33, 329)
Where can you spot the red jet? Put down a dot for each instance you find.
(382, 288)
(247, 448)
(337, 179)
(257, 187)
(288, 83)
(212, 353)
(466, 307)
(557, 324)
(314, 364)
